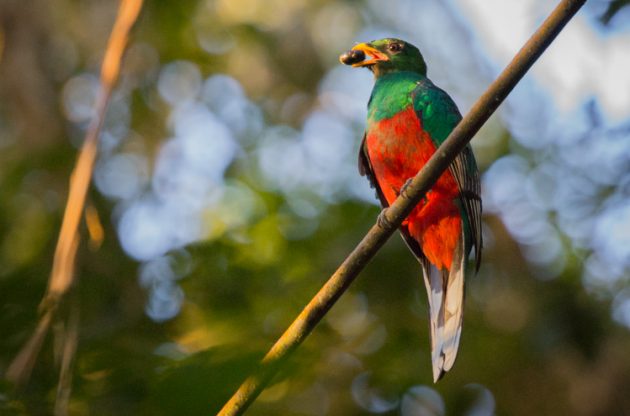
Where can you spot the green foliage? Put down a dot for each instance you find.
(202, 383)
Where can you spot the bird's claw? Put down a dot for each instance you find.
(403, 189)
(382, 220)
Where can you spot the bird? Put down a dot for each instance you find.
(408, 118)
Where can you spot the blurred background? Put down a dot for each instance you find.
(227, 192)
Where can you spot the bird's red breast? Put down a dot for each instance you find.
(398, 148)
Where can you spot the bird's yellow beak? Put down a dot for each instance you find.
(373, 55)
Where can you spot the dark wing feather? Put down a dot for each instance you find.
(365, 169)
(464, 169)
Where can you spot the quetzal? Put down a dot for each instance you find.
(408, 118)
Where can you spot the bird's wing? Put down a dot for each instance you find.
(365, 169)
(439, 115)
(464, 169)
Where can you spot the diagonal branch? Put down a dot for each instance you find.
(62, 275)
(421, 183)
(70, 335)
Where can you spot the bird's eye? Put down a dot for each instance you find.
(394, 47)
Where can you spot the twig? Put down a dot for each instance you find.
(62, 274)
(70, 340)
(421, 183)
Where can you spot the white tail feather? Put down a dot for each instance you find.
(446, 307)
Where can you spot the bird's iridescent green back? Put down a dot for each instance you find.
(436, 109)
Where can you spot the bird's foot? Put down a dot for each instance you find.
(403, 189)
(382, 220)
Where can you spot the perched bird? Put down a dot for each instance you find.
(408, 118)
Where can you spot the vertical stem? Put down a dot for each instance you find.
(62, 275)
(70, 340)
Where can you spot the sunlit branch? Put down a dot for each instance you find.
(62, 275)
(421, 183)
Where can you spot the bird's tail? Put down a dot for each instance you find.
(446, 309)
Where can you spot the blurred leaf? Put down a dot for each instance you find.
(200, 384)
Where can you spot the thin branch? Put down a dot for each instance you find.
(62, 275)
(70, 337)
(420, 185)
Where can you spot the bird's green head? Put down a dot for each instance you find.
(386, 56)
